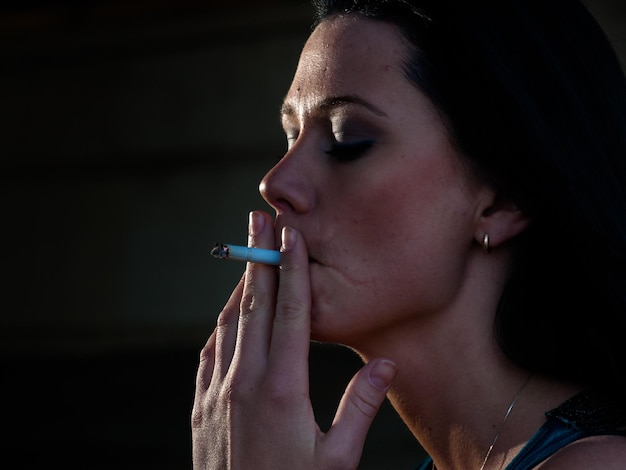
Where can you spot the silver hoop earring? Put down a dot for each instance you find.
(486, 247)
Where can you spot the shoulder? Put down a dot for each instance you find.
(598, 452)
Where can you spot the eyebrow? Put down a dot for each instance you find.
(333, 102)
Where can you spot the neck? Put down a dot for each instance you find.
(455, 385)
(454, 401)
(455, 409)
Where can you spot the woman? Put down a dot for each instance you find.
(450, 207)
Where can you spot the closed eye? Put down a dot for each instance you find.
(348, 151)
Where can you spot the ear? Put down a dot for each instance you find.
(502, 221)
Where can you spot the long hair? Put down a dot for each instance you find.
(535, 98)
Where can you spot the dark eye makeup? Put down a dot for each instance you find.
(348, 151)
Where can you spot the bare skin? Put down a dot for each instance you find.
(381, 252)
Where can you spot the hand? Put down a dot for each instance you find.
(252, 407)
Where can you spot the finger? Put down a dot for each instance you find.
(257, 303)
(203, 381)
(360, 403)
(289, 350)
(206, 365)
(226, 332)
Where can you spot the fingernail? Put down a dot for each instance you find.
(382, 374)
(287, 238)
(255, 223)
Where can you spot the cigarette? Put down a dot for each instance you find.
(244, 253)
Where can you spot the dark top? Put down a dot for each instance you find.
(584, 415)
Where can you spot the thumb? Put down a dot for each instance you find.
(360, 403)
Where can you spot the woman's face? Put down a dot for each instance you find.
(374, 184)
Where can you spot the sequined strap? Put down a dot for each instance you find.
(591, 411)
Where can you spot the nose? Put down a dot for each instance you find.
(288, 186)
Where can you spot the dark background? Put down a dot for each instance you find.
(133, 137)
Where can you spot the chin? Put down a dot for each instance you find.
(322, 328)
(326, 328)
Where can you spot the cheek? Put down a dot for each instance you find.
(374, 215)
(382, 232)
(395, 255)
(380, 295)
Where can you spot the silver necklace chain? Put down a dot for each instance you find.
(506, 416)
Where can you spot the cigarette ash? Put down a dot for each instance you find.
(220, 251)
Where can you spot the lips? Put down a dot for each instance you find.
(278, 227)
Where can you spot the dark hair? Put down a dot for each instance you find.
(535, 98)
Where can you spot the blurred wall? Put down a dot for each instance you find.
(132, 140)
(134, 135)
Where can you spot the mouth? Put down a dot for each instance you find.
(278, 227)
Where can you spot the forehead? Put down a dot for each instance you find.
(349, 54)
